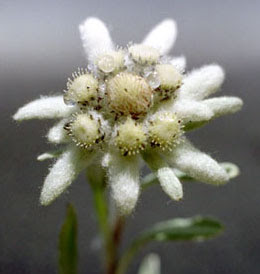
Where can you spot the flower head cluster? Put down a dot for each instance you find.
(131, 105)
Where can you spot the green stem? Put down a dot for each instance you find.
(111, 234)
(96, 179)
(101, 208)
(127, 257)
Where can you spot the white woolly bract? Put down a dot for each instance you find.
(46, 156)
(105, 160)
(168, 180)
(196, 164)
(124, 181)
(224, 105)
(62, 174)
(179, 63)
(57, 134)
(170, 183)
(95, 38)
(192, 111)
(162, 36)
(201, 83)
(44, 108)
(151, 264)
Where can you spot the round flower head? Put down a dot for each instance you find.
(144, 54)
(130, 137)
(170, 80)
(131, 105)
(129, 94)
(83, 89)
(165, 130)
(84, 130)
(110, 62)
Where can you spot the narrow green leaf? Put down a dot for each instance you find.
(195, 228)
(68, 253)
(181, 229)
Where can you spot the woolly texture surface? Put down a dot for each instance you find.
(168, 180)
(57, 133)
(192, 111)
(224, 105)
(124, 181)
(196, 164)
(162, 36)
(62, 173)
(95, 38)
(170, 183)
(202, 82)
(43, 108)
(113, 109)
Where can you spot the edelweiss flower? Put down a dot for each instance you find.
(131, 104)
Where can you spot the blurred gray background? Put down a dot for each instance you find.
(40, 47)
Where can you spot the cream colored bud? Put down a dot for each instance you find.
(84, 130)
(144, 54)
(164, 130)
(129, 94)
(82, 89)
(169, 77)
(130, 137)
(111, 61)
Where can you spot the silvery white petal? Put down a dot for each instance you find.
(192, 111)
(106, 160)
(170, 183)
(197, 164)
(49, 155)
(95, 38)
(168, 180)
(151, 264)
(224, 105)
(43, 108)
(179, 63)
(162, 36)
(57, 134)
(124, 182)
(62, 174)
(201, 83)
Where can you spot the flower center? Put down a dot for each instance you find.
(130, 137)
(82, 89)
(170, 80)
(111, 62)
(144, 54)
(129, 94)
(164, 130)
(85, 130)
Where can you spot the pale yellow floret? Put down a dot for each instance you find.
(130, 137)
(82, 89)
(111, 61)
(170, 78)
(84, 130)
(164, 130)
(144, 54)
(129, 94)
